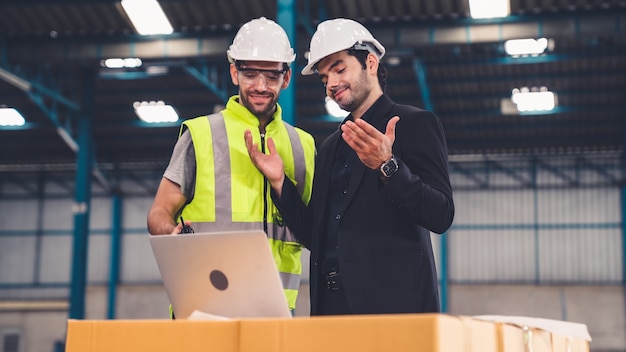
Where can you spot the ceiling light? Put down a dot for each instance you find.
(147, 17)
(131, 62)
(393, 61)
(157, 70)
(11, 117)
(489, 8)
(525, 47)
(537, 99)
(155, 112)
(333, 108)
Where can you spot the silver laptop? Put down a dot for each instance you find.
(228, 274)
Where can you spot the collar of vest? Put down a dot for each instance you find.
(241, 112)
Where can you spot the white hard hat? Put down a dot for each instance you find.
(340, 34)
(261, 40)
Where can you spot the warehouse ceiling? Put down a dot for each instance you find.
(438, 58)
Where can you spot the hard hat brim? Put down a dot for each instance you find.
(309, 68)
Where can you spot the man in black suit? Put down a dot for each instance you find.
(381, 185)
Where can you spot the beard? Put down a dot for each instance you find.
(263, 112)
(358, 93)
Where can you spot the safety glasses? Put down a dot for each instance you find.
(251, 75)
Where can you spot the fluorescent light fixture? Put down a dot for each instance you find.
(333, 108)
(393, 61)
(525, 47)
(157, 70)
(155, 112)
(11, 117)
(147, 17)
(131, 62)
(489, 8)
(528, 100)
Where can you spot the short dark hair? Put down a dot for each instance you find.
(361, 56)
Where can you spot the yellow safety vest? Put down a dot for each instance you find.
(231, 194)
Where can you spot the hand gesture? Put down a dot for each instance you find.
(372, 146)
(271, 165)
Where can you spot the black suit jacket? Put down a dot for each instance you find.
(385, 252)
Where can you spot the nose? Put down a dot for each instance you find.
(333, 81)
(260, 78)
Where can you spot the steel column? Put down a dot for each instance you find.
(286, 18)
(443, 274)
(420, 73)
(114, 265)
(82, 200)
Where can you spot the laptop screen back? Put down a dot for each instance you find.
(229, 274)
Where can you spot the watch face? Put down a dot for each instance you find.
(389, 167)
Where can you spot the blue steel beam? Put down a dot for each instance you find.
(572, 181)
(470, 174)
(203, 77)
(424, 35)
(420, 72)
(589, 165)
(37, 88)
(443, 240)
(541, 59)
(82, 202)
(114, 260)
(34, 91)
(514, 174)
(285, 15)
(305, 19)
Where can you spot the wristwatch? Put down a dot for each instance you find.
(389, 167)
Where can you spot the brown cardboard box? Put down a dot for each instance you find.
(513, 338)
(522, 334)
(561, 343)
(363, 333)
(151, 336)
(398, 333)
(480, 336)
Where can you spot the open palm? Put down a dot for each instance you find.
(271, 165)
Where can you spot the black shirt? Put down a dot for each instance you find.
(340, 176)
(340, 172)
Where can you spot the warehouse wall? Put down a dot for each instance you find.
(525, 241)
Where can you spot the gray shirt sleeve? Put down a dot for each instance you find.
(182, 167)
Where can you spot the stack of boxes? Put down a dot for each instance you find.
(362, 333)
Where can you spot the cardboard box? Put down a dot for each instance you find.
(523, 334)
(561, 343)
(398, 333)
(151, 336)
(513, 338)
(363, 333)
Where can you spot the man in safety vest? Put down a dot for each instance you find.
(210, 180)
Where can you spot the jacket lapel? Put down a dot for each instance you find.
(377, 118)
(321, 184)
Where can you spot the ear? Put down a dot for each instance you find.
(372, 63)
(233, 74)
(286, 79)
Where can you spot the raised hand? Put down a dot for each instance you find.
(271, 165)
(372, 146)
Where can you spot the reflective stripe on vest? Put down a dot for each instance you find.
(221, 157)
